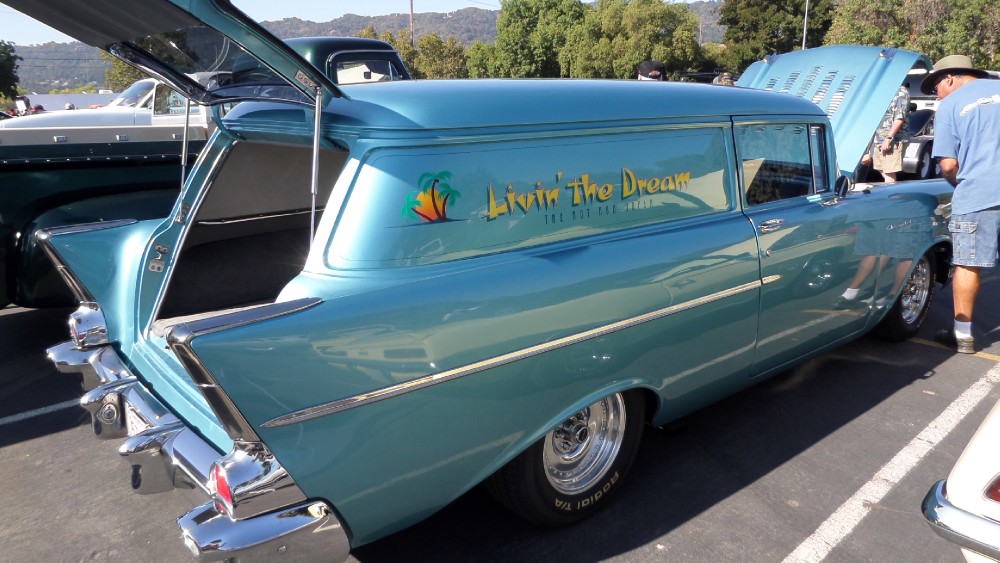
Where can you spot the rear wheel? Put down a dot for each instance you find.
(913, 303)
(573, 471)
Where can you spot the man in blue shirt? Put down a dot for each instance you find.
(967, 142)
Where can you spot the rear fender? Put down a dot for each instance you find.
(100, 263)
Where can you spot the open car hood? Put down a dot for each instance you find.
(232, 57)
(852, 84)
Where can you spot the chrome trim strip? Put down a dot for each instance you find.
(967, 530)
(362, 399)
(180, 337)
(44, 239)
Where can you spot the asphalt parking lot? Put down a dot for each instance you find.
(828, 461)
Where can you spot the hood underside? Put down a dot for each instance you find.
(233, 56)
(853, 84)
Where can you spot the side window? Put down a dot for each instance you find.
(434, 204)
(359, 71)
(169, 102)
(776, 161)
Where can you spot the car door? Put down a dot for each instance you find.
(806, 240)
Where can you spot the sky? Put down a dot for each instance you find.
(23, 30)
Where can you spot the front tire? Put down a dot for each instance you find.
(572, 472)
(914, 302)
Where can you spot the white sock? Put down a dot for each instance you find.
(850, 293)
(963, 329)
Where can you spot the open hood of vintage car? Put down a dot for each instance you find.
(206, 49)
(852, 84)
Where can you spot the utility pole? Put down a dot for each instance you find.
(411, 25)
(805, 25)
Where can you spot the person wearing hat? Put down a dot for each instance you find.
(966, 140)
(651, 70)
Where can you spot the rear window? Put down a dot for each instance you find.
(424, 206)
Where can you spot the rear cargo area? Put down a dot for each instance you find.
(250, 234)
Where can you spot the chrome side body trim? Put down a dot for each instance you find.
(44, 238)
(362, 399)
(967, 530)
(179, 339)
(269, 518)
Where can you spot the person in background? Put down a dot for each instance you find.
(724, 79)
(70, 106)
(38, 109)
(891, 137)
(965, 142)
(651, 70)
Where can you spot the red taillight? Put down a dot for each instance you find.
(993, 491)
(219, 485)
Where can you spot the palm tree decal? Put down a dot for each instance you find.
(431, 201)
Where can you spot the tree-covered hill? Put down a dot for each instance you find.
(58, 66)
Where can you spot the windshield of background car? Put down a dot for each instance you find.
(132, 95)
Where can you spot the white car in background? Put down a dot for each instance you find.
(145, 102)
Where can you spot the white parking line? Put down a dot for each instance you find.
(842, 522)
(38, 412)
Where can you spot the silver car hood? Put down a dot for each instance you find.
(853, 84)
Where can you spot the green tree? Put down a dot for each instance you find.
(118, 75)
(863, 22)
(8, 69)
(616, 35)
(760, 27)
(972, 28)
(530, 34)
(481, 60)
(439, 59)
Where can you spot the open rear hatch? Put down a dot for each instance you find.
(211, 41)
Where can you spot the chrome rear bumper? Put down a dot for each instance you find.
(163, 454)
(963, 528)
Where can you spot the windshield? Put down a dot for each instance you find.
(133, 94)
(224, 68)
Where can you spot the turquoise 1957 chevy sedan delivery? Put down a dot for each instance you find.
(369, 299)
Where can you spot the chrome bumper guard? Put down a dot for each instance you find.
(960, 527)
(163, 454)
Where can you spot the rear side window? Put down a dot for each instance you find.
(781, 161)
(424, 206)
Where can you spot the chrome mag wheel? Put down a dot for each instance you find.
(578, 453)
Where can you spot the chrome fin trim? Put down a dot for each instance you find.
(44, 239)
(362, 399)
(180, 338)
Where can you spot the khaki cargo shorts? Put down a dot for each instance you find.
(891, 161)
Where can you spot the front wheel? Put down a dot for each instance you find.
(573, 471)
(913, 303)
(925, 166)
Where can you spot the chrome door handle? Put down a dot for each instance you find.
(771, 225)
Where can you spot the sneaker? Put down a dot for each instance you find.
(960, 345)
